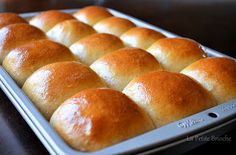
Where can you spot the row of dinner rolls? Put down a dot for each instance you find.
(71, 90)
(66, 30)
(62, 28)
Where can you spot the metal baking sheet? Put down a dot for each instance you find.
(156, 140)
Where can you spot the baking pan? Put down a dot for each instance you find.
(219, 118)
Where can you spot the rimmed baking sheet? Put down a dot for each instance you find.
(160, 138)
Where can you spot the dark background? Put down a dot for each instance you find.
(210, 22)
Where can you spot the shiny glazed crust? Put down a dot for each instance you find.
(97, 118)
(218, 75)
(87, 116)
(121, 66)
(114, 25)
(141, 37)
(175, 54)
(92, 14)
(69, 31)
(48, 19)
(21, 62)
(16, 35)
(168, 97)
(52, 84)
(10, 18)
(95, 46)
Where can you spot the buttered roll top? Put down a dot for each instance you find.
(175, 54)
(52, 84)
(92, 14)
(69, 31)
(217, 75)
(10, 18)
(95, 46)
(141, 37)
(121, 66)
(96, 118)
(114, 25)
(48, 19)
(21, 62)
(168, 96)
(16, 35)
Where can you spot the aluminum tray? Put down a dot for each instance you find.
(159, 139)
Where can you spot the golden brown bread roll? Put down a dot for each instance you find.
(69, 31)
(217, 75)
(175, 54)
(47, 19)
(52, 84)
(15, 35)
(168, 97)
(92, 14)
(96, 118)
(141, 37)
(10, 18)
(21, 62)
(95, 46)
(114, 25)
(121, 66)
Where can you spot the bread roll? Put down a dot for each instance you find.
(47, 19)
(175, 54)
(10, 18)
(15, 35)
(97, 118)
(218, 75)
(70, 31)
(52, 84)
(168, 97)
(21, 62)
(95, 46)
(141, 37)
(121, 66)
(92, 14)
(114, 25)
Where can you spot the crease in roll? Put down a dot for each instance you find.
(48, 19)
(51, 85)
(97, 118)
(92, 14)
(95, 46)
(168, 96)
(114, 25)
(141, 37)
(16, 35)
(175, 54)
(9, 18)
(217, 75)
(121, 66)
(69, 31)
(22, 61)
